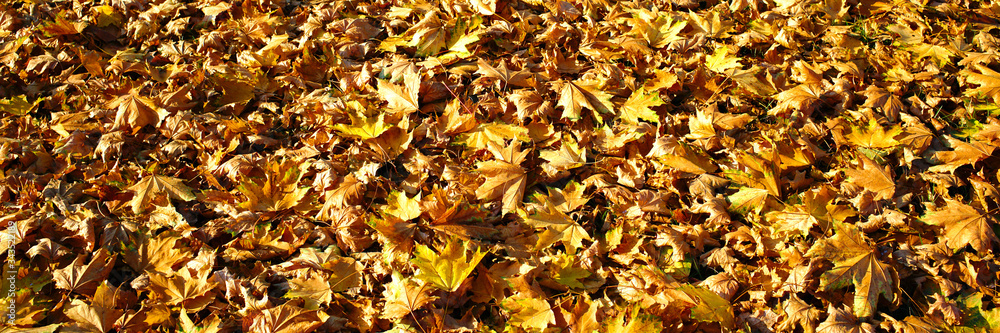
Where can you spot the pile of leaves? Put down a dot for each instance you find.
(500, 165)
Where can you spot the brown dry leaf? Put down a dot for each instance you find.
(152, 187)
(404, 98)
(191, 292)
(963, 154)
(157, 254)
(988, 81)
(509, 77)
(136, 111)
(506, 179)
(799, 313)
(403, 296)
(84, 279)
(286, 318)
(574, 96)
(963, 225)
(841, 321)
(874, 178)
(856, 263)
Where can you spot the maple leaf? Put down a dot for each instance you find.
(567, 199)
(157, 254)
(976, 313)
(192, 292)
(988, 81)
(18, 105)
(633, 321)
(963, 154)
(799, 313)
(656, 28)
(483, 134)
(802, 98)
(840, 321)
(639, 106)
(873, 178)
(63, 26)
(509, 77)
(855, 262)
(154, 186)
(586, 320)
(212, 324)
(711, 23)
(874, 136)
(530, 313)
(403, 98)
(505, 177)
(98, 316)
(722, 61)
(709, 306)
(278, 190)
(136, 111)
(285, 318)
(568, 156)
(313, 289)
(702, 126)
(446, 269)
(84, 279)
(403, 296)
(910, 324)
(558, 226)
(565, 273)
(963, 225)
(363, 127)
(453, 121)
(403, 207)
(890, 104)
(574, 96)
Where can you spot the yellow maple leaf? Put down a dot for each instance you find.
(403, 207)
(657, 29)
(531, 314)
(574, 96)
(988, 81)
(558, 227)
(363, 127)
(448, 268)
(568, 156)
(873, 136)
(483, 134)
(403, 98)
(639, 106)
(403, 296)
(722, 60)
(873, 178)
(153, 186)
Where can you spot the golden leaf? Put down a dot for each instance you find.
(506, 179)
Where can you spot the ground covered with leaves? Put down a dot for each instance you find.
(500, 165)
